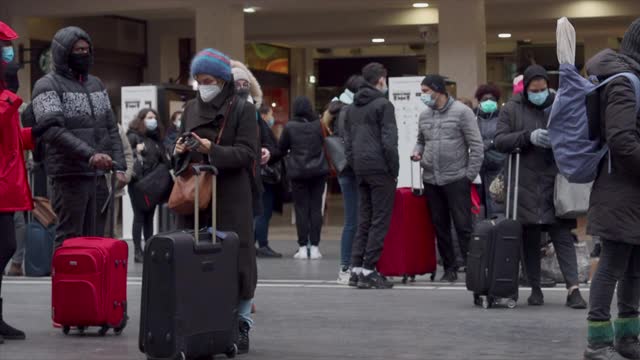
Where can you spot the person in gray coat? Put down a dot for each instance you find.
(522, 127)
(451, 152)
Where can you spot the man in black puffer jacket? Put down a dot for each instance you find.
(88, 141)
(522, 126)
(371, 146)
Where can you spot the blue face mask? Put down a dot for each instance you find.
(538, 98)
(428, 100)
(271, 121)
(7, 54)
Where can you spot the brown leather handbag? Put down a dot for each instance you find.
(43, 212)
(183, 195)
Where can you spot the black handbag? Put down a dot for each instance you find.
(154, 188)
(336, 152)
(271, 174)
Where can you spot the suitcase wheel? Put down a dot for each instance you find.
(81, 329)
(103, 331)
(477, 300)
(232, 352)
(433, 277)
(511, 304)
(66, 329)
(118, 331)
(404, 279)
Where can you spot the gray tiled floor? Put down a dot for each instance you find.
(302, 314)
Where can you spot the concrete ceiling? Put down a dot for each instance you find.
(334, 23)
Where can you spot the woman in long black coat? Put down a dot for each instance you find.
(226, 128)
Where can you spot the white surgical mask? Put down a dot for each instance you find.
(209, 92)
(151, 124)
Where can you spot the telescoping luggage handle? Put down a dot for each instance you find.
(198, 171)
(419, 191)
(513, 213)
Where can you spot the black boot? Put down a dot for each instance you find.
(243, 337)
(138, 256)
(7, 331)
(536, 298)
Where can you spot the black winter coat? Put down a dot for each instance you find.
(82, 105)
(235, 158)
(614, 213)
(153, 154)
(371, 134)
(538, 169)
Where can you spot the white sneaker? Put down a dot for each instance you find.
(302, 254)
(343, 277)
(315, 253)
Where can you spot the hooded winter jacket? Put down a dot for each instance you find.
(538, 170)
(614, 213)
(371, 134)
(303, 142)
(82, 105)
(450, 143)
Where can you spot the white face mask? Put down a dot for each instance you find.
(151, 124)
(209, 92)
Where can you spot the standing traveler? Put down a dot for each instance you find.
(15, 195)
(371, 146)
(85, 142)
(145, 136)
(226, 128)
(302, 142)
(522, 127)
(488, 97)
(614, 214)
(120, 191)
(271, 174)
(450, 150)
(265, 189)
(335, 121)
(172, 132)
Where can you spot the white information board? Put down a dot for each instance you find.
(135, 98)
(404, 94)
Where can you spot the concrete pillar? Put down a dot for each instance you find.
(21, 25)
(432, 59)
(154, 52)
(220, 25)
(463, 44)
(301, 67)
(595, 44)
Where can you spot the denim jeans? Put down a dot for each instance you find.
(244, 311)
(349, 187)
(21, 228)
(619, 265)
(261, 223)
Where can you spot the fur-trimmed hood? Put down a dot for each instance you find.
(241, 70)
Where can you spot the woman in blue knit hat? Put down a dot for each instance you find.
(226, 128)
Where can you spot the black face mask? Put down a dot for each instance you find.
(80, 63)
(243, 93)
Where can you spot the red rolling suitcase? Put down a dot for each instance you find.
(89, 282)
(410, 245)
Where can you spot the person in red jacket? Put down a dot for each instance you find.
(14, 189)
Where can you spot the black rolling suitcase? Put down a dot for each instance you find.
(190, 292)
(494, 253)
